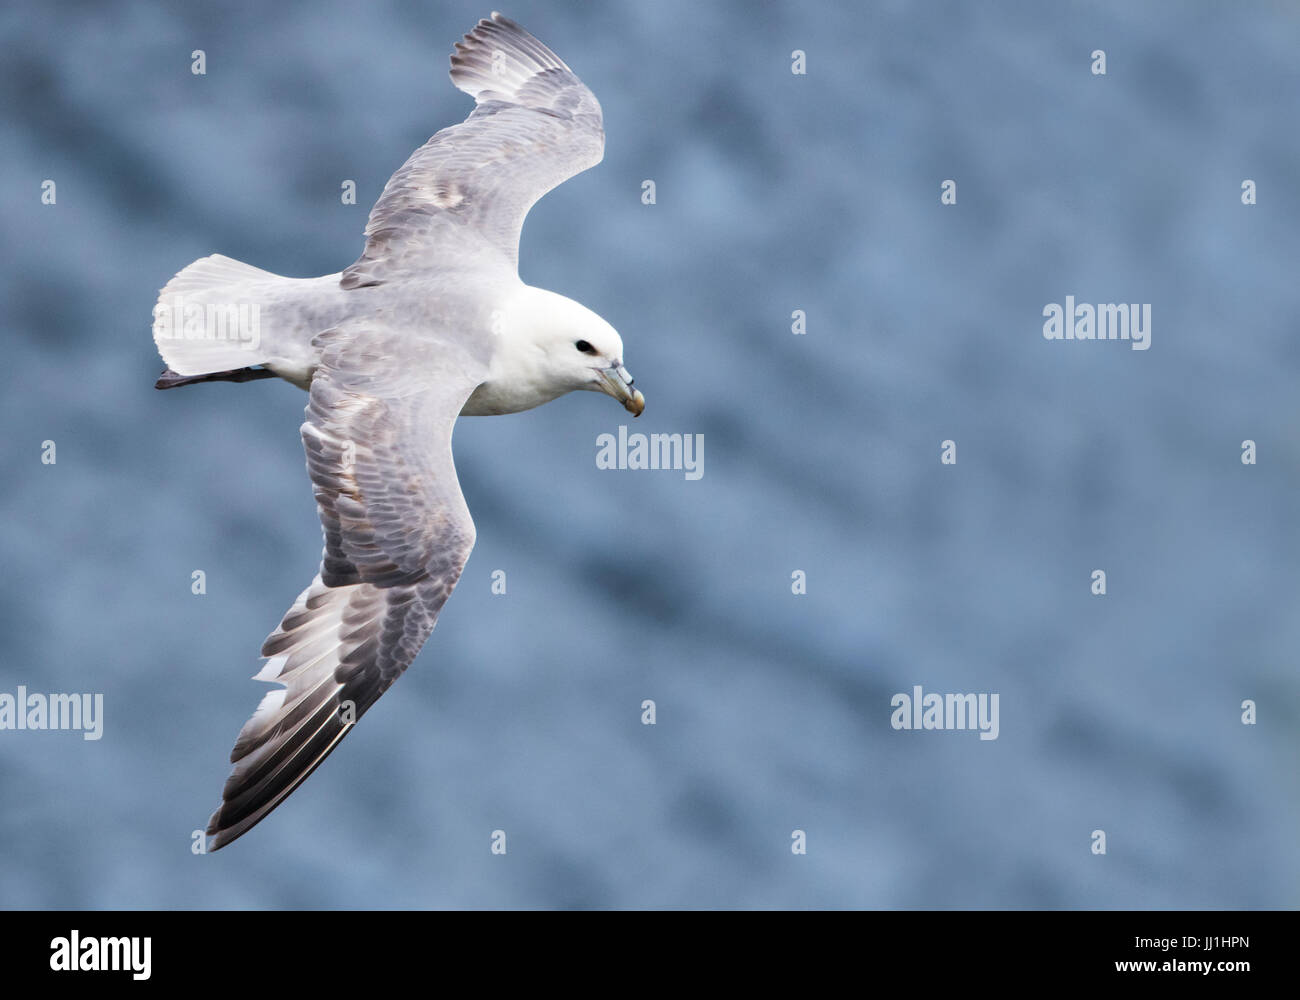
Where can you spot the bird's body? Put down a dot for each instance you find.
(432, 322)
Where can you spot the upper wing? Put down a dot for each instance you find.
(397, 535)
(466, 191)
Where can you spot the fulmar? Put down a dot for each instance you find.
(432, 321)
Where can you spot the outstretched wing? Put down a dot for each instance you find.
(463, 195)
(397, 535)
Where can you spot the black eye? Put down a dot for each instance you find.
(584, 347)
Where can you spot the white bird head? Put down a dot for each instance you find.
(573, 348)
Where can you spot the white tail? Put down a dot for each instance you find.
(209, 317)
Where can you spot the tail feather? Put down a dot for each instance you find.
(208, 317)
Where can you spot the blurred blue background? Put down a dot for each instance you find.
(775, 192)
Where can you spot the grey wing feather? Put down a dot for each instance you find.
(397, 535)
(462, 197)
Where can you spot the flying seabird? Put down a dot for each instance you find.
(431, 321)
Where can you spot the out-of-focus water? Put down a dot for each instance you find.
(775, 192)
